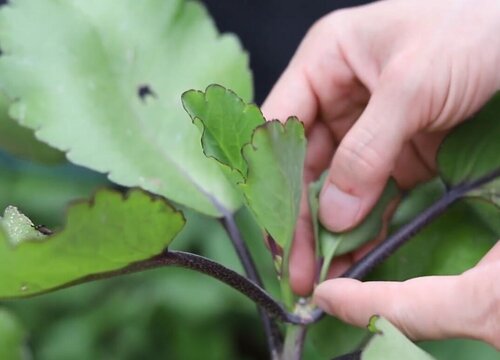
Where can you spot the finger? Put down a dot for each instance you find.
(318, 82)
(366, 157)
(424, 308)
(292, 95)
(302, 265)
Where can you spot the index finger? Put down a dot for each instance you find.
(319, 82)
(292, 95)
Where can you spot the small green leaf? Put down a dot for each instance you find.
(472, 151)
(107, 234)
(313, 192)
(417, 200)
(486, 211)
(226, 123)
(18, 227)
(273, 186)
(13, 338)
(330, 244)
(267, 158)
(21, 141)
(101, 81)
(371, 226)
(489, 192)
(389, 343)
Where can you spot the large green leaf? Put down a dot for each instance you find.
(102, 79)
(13, 338)
(227, 124)
(21, 141)
(273, 187)
(389, 343)
(107, 234)
(472, 151)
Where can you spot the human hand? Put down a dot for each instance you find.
(433, 307)
(377, 87)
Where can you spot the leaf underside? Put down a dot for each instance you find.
(102, 82)
(472, 151)
(107, 234)
(389, 343)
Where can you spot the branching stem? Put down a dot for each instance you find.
(208, 267)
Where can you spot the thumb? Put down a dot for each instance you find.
(365, 158)
(433, 307)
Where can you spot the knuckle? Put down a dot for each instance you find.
(329, 23)
(356, 158)
(410, 83)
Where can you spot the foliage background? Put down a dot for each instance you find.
(173, 313)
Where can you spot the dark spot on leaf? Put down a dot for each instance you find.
(143, 91)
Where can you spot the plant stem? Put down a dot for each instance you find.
(272, 332)
(294, 342)
(386, 248)
(241, 249)
(205, 266)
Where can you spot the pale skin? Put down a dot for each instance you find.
(377, 88)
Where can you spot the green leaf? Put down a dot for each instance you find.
(389, 343)
(417, 200)
(13, 338)
(489, 192)
(101, 81)
(472, 151)
(460, 349)
(273, 186)
(313, 192)
(485, 211)
(267, 158)
(21, 141)
(451, 244)
(347, 338)
(227, 124)
(330, 244)
(107, 234)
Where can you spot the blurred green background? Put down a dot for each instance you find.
(175, 313)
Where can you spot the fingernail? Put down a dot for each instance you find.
(321, 300)
(339, 210)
